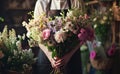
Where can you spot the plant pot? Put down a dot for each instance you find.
(101, 64)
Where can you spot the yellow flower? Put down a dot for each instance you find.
(105, 18)
(94, 19)
(102, 22)
(41, 26)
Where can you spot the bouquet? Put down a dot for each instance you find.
(62, 34)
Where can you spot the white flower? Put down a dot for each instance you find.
(96, 43)
(28, 34)
(71, 27)
(19, 45)
(105, 18)
(70, 13)
(24, 23)
(95, 26)
(23, 37)
(94, 19)
(60, 36)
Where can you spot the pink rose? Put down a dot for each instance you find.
(92, 54)
(46, 34)
(82, 35)
(111, 51)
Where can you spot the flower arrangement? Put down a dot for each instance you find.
(57, 33)
(12, 56)
(102, 57)
(61, 34)
(102, 24)
(102, 50)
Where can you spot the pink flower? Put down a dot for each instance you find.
(92, 54)
(111, 51)
(86, 16)
(46, 34)
(82, 35)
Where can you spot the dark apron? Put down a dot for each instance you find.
(43, 66)
(53, 13)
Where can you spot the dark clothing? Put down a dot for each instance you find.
(43, 66)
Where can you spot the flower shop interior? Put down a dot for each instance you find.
(18, 53)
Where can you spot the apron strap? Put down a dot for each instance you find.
(69, 3)
(48, 7)
(55, 12)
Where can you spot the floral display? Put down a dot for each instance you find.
(102, 50)
(12, 56)
(61, 34)
(58, 33)
(91, 25)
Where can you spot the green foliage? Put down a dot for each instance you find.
(102, 32)
(1, 19)
(31, 14)
(102, 24)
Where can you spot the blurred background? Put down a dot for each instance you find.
(13, 12)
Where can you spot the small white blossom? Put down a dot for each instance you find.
(19, 45)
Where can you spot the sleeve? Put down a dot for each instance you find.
(38, 9)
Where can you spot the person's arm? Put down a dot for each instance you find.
(65, 59)
(49, 55)
(39, 9)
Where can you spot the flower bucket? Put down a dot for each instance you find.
(101, 64)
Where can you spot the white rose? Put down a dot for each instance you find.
(28, 34)
(60, 36)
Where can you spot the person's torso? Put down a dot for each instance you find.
(55, 7)
(59, 5)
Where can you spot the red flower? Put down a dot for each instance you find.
(112, 50)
